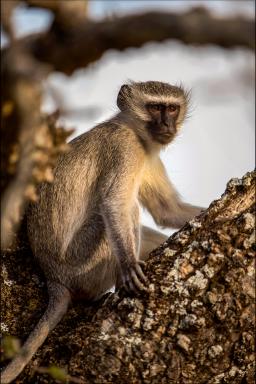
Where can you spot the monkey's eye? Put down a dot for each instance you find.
(154, 108)
(172, 108)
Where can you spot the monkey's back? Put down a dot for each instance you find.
(66, 222)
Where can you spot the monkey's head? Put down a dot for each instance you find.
(160, 106)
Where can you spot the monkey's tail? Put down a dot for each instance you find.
(59, 299)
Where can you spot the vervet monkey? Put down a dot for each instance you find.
(85, 230)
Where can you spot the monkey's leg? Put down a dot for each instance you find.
(59, 298)
(150, 239)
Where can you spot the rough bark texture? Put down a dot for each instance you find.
(195, 325)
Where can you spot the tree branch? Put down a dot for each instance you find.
(68, 48)
(66, 12)
(196, 325)
(31, 140)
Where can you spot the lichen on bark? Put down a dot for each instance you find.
(195, 325)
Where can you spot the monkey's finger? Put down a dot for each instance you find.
(127, 283)
(140, 273)
(141, 262)
(132, 283)
(129, 286)
(137, 282)
(132, 287)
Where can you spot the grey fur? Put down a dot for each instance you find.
(84, 230)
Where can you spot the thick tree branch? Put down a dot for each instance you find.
(68, 48)
(196, 325)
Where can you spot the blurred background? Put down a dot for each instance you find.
(216, 142)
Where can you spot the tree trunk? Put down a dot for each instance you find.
(194, 326)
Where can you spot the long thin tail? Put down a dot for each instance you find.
(59, 299)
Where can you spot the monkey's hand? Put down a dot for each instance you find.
(192, 210)
(133, 278)
(183, 214)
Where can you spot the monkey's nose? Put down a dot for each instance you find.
(171, 128)
(166, 122)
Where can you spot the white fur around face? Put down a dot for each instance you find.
(163, 99)
(138, 106)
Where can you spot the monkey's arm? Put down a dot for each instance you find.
(121, 218)
(160, 198)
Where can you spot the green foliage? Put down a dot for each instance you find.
(57, 373)
(10, 347)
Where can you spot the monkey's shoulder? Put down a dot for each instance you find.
(108, 138)
(107, 131)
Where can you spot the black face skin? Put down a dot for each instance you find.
(163, 123)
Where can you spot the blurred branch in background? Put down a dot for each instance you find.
(67, 47)
(67, 13)
(7, 8)
(73, 41)
(30, 140)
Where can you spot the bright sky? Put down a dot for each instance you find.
(217, 143)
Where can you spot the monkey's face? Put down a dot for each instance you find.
(160, 108)
(163, 118)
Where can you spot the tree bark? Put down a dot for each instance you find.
(194, 326)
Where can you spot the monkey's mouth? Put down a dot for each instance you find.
(163, 138)
(161, 134)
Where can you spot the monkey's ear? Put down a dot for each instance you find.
(123, 97)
